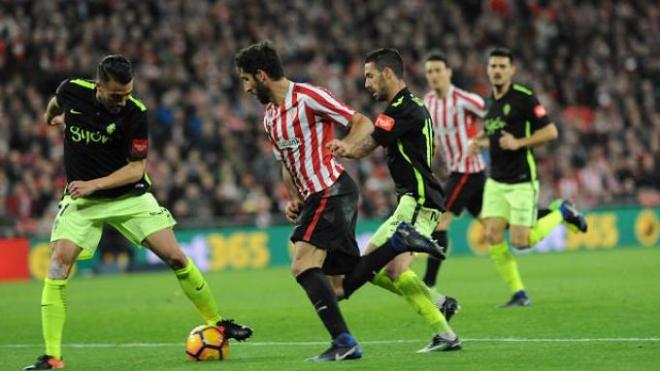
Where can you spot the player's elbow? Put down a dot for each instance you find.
(363, 122)
(137, 170)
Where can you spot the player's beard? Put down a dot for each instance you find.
(381, 96)
(112, 108)
(262, 92)
(382, 93)
(379, 93)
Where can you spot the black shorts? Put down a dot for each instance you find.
(465, 191)
(327, 221)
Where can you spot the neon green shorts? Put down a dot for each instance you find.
(135, 217)
(517, 203)
(425, 220)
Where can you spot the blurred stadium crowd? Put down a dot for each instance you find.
(594, 64)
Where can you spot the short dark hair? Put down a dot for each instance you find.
(437, 55)
(386, 57)
(260, 56)
(115, 67)
(501, 52)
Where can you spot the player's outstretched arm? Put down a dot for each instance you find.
(129, 173)
(53, 115)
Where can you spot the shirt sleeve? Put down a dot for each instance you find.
(325, 104)
(473, 103)
(276, 152)
(62, 92)
(389, 126)
(138, 137)
(536, 113)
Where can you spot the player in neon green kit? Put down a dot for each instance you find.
(515, 123)
(405, 130)
(105, 148)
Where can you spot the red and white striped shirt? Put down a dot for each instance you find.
(454, 117)
(300, 129)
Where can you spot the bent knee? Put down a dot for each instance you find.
(300, 266)
(495, 238)
(59, 268)
(176, 259)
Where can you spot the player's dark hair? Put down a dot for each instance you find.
(501, 52)
(437, 56)
(260, 56)
(386, 57)
(116, 68)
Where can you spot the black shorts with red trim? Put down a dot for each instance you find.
(465, 191)
(327, 220)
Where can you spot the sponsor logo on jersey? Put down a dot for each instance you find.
(493, 125)
(288, 143)
(80, 135)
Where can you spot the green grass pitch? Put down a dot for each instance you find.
(592, 310)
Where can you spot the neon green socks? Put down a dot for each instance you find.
(53, 314)
(506, 266)
(197, 290)
(544, 226)
(418, 296)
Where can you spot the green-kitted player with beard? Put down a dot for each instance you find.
(105, 149)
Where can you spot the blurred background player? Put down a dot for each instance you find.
(405, 130)
(515, 123)
(105, 150)
(299, 120)
(454, 112)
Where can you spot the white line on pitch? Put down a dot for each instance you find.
(368, 342)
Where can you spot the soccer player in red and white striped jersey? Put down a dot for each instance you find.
(299, 121)
(455, 113)
(300, 128)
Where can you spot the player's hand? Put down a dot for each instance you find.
(508, 142)
(80, 188)
(293, 210)
(338, 148)
(473, 147)
(55, 120)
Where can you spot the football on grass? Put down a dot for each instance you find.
(206, 343)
